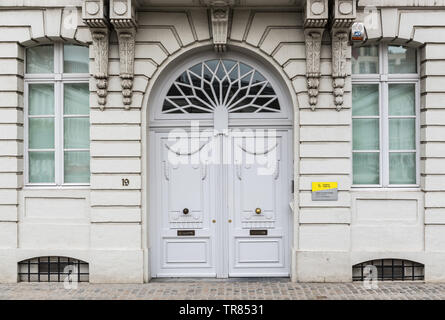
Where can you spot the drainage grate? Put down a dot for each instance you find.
(52, 269)
(389, 270)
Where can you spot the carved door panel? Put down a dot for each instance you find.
(258, 199)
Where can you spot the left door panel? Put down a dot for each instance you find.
(184, 190)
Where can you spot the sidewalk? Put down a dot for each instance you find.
(232, 289)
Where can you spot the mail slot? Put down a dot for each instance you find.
(186, 233)
(258, 232)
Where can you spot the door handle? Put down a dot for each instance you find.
(258, 210)
(185, 211)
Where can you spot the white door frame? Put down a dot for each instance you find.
(157, 125)
(222, 229)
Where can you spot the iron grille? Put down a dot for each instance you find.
(390, 270)
(52, 269)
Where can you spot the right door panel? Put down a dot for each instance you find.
(258, 200)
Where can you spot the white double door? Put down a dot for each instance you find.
(220, 205)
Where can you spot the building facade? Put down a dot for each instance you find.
(97, 97)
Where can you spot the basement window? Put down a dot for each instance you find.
(389, 270)
(53, 269)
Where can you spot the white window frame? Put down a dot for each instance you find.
(383, 79)
(58, 79)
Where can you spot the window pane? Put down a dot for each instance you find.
(365, 100)
(366, 168)
(76, 133)
(402, 134)
(365, 134)
(365, 60)
(40, 59)
(402, 60)
(41, 167)
(402, 99)
(41, 133)
(75, 59)
(77, 167)
(41, 99)
(402, 168)
(76, 98)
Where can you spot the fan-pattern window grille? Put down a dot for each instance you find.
(215, 83)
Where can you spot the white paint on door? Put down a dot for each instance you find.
(218, 202)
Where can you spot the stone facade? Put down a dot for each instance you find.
(108, 221)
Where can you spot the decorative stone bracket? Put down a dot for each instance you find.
(315, 19)
(313, 48)
(344, 15)
(220, 12)
(94, 16)
(123, 18)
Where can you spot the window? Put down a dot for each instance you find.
(385, 122)
(228, 83)
(388, 270)
(57, 122)
(52, 269)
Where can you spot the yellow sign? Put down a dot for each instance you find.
(320, 186)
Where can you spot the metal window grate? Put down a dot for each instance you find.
(52, 269)
(390, 270)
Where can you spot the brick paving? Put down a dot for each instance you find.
(233, 289)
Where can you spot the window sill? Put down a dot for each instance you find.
(49, 187)
(385, 189)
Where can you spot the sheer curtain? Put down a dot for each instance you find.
(402, 134)
(76, 133)
(41, 133)
(366, 133)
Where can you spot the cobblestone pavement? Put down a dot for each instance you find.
(233, 289)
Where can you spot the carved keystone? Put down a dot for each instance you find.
(220, 12)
